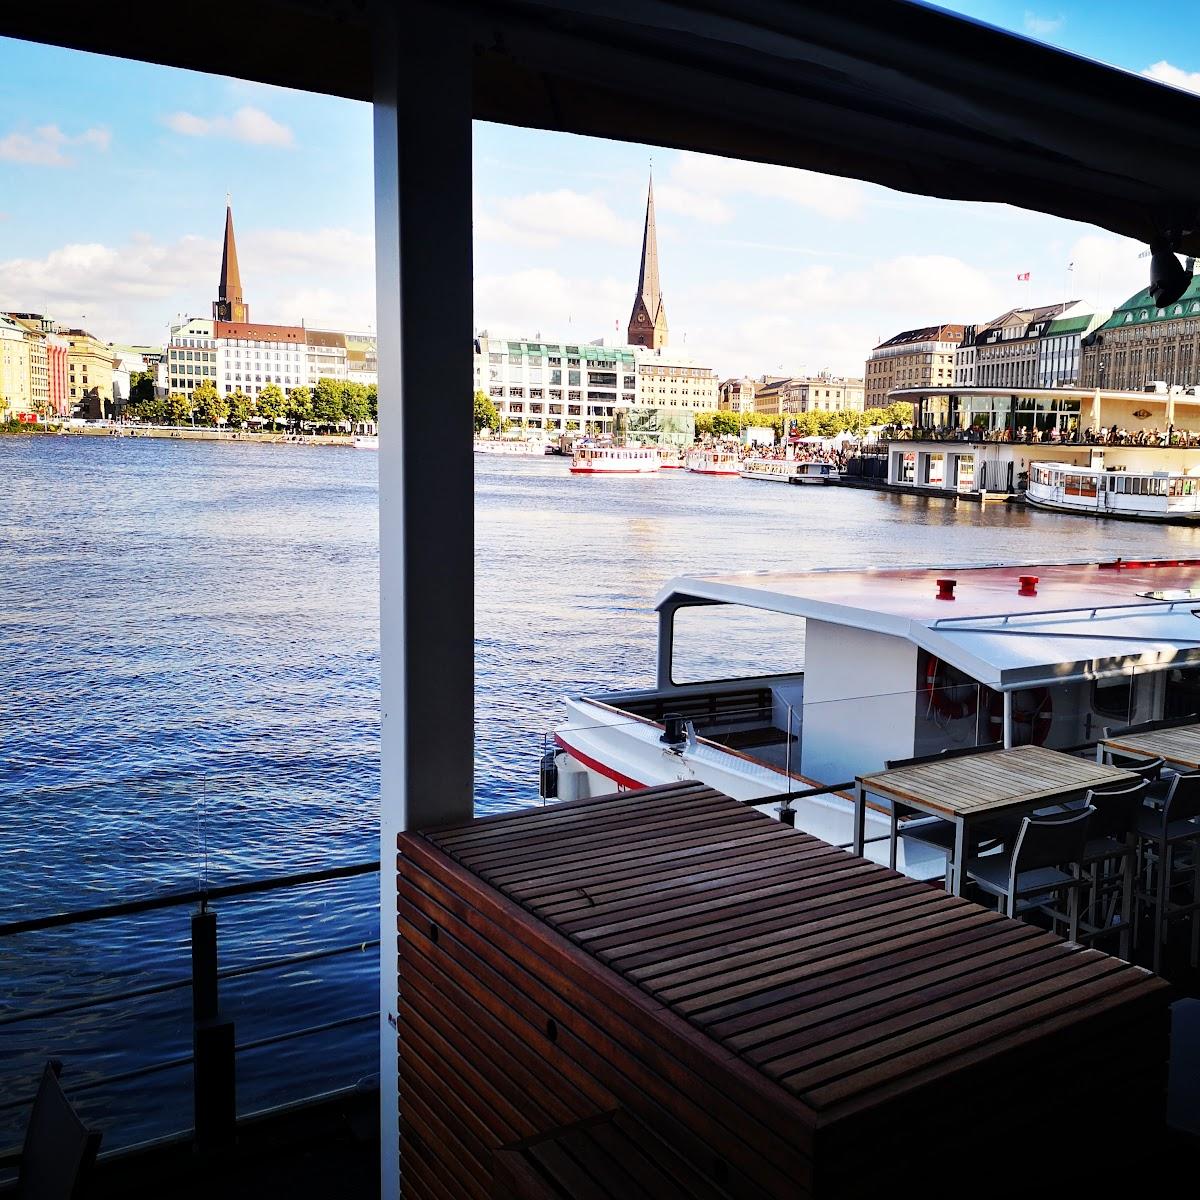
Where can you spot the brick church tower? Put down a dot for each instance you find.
(229, 305)
(648, 321)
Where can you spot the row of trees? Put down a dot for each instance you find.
(810, 424)
(330, 404)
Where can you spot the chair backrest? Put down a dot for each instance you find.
(1183, 800)
(59, 1149)
(1051, 841)
(1148, 768)
(1116, 810)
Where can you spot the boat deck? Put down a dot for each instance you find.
(766, 1005)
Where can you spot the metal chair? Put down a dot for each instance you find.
(1110, 862)
(1161, 834)
(59, 1149)
(1033, 873)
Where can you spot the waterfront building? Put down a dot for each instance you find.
(57, 374)
(915, 358)
(822, 393)
(672, 380)
(554, 386)
(768, 394)
(648, 320)
(37, 330)
(89, 375)
(1060, 346)
(362, 359)
(251, 355)
(1006, 349)
(230, 305)
(191, 356)
(964, 358)
(1141, 345)
(325, 355)
(15, 397)
(737, 395)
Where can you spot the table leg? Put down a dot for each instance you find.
(893, 837)
(960, 857)
(860, 819)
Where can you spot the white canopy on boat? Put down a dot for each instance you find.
(1075, 621)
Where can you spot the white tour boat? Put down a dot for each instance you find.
(714, 460)
(774, 470)
(896, 663)
(525, 445)
(366, 442)
(1142, 495)
(817, 472)
(615, 460)
(670, 458)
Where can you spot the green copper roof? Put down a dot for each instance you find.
(1140, 308)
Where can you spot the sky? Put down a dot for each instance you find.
(113, 179)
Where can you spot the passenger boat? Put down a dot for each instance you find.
(817, 472)
(670, 458)
(366, 443)
(1139, 495)
(615, 460)
(774, 470)
(713, 460)
(896, 663)
(509, 446)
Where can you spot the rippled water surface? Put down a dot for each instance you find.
(189, 690)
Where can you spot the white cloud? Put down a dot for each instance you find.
(131, 291)
(46, 146)
(1038, 26)
(720, 178)
(542, 300)
(247, 124)
(684, 203)
(1164, 72)
(547, 219)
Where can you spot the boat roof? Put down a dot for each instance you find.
(1085, 620)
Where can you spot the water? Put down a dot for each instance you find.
(189, 658)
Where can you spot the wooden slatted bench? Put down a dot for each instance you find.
(788, 1018)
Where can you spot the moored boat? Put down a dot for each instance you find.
(714, 460)
(1137, 495)
(670, 458)
(615, 460)
(774, 470)
(897, 663)
(817, 472)
(366, 443)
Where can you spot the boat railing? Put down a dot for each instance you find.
(215, 1049)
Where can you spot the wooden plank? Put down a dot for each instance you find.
(1179, 746)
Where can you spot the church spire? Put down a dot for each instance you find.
(648, 321)
(229, 305)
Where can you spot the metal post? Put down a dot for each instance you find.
(422, 113)
(1008, 719)
(214, 1080)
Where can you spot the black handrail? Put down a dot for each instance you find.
(196, 895)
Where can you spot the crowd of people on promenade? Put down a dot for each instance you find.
(1113, 436)
(795, 452)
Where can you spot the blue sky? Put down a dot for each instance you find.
(113, 178)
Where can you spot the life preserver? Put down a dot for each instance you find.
(1032, 716)
(945, 695)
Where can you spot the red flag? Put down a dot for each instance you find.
(1023, 278)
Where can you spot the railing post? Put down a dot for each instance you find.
(214, 1086)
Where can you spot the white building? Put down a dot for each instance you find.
(556, 387)
(254, 355)
(326, 355)
(191, 356)
(666, 378)
(964, 359)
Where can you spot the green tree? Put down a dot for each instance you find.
(354, 403)
(210, 407)
(177, 410)
(241, 408)
(704, 424)
(327, 408)
(373, 402)
(486, 416)
(272, 404)
(299, 406)
(141, 387)
(726, 424)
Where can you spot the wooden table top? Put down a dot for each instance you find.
(1179, 745)
(992, 782)
(840, 980)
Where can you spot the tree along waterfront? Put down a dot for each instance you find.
(330, 403)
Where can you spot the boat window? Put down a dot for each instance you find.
(729, 641)
(1115, 698)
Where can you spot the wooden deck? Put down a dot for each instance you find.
(781, 1014)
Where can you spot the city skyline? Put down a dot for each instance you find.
(110, 217)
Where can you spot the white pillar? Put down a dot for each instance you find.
(1008, 719)
(426, 603)
(1096, 410)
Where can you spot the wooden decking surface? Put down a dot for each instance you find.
(849, 992)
